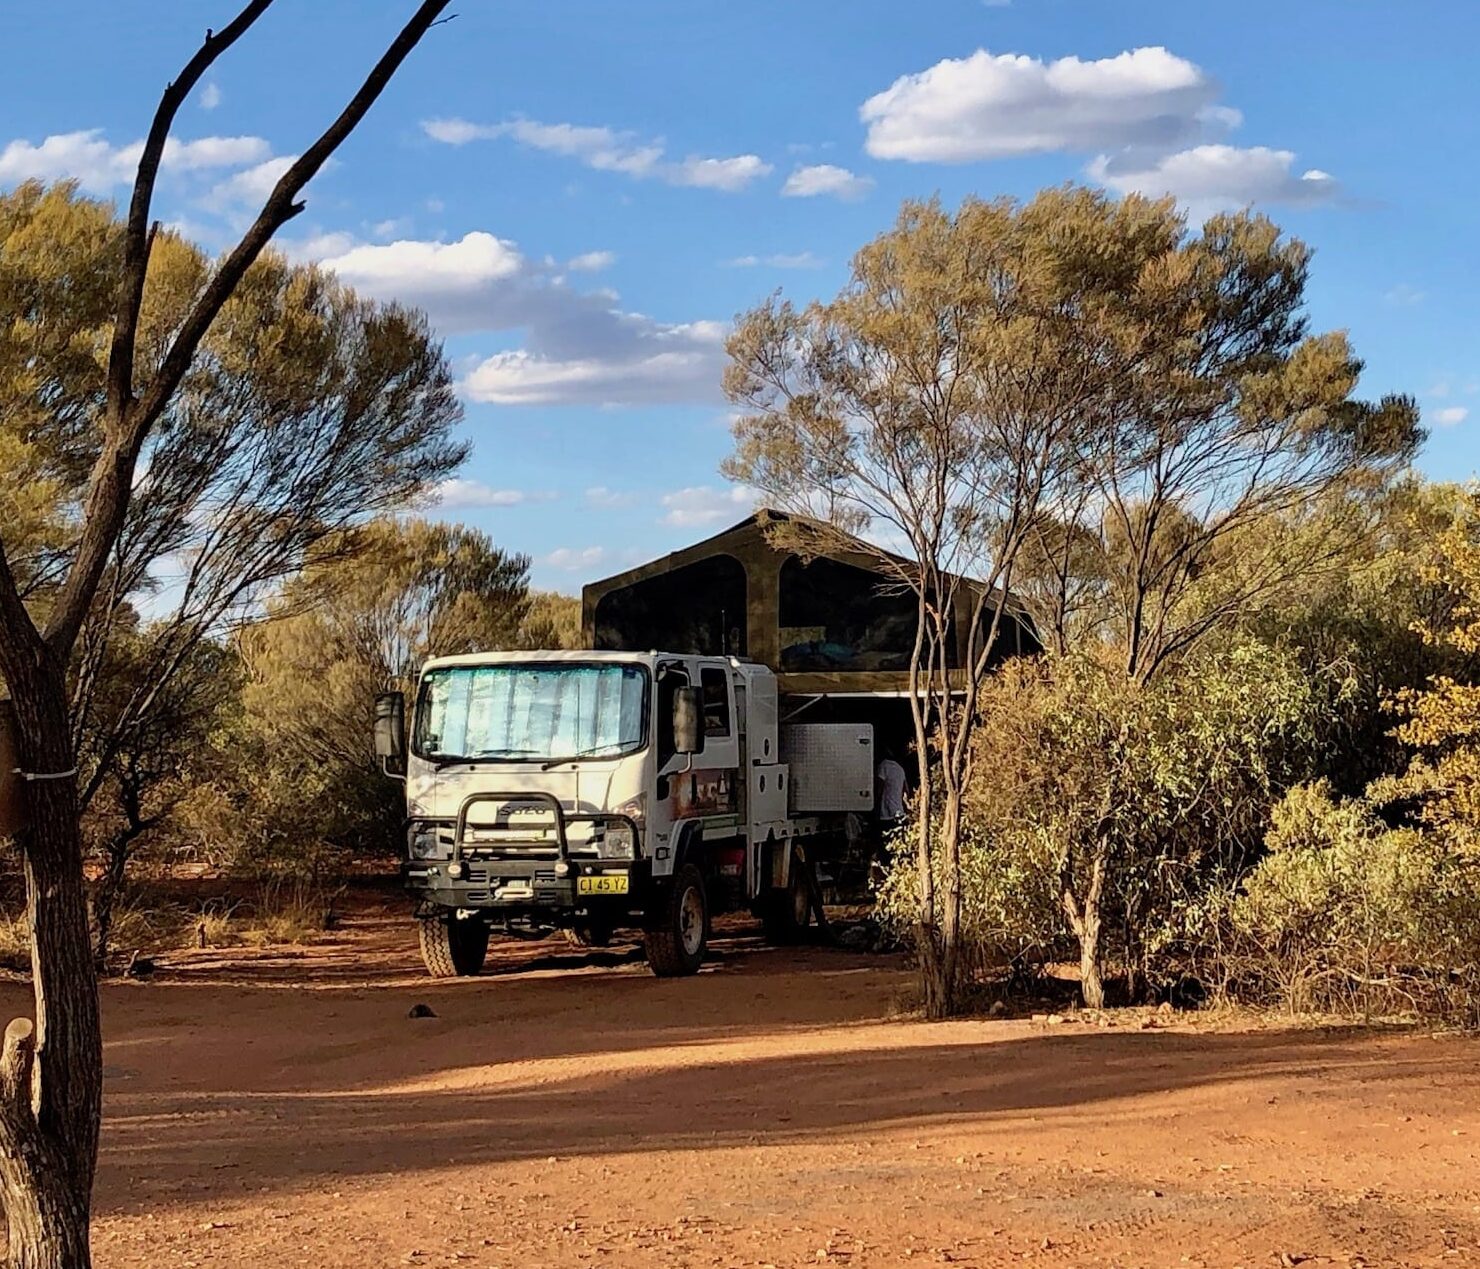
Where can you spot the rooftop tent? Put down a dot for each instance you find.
(835, 616)
(698, 607)
(832, 624)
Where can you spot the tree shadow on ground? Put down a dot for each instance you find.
(701, 1093)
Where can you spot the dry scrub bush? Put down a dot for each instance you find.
(1352, 914)
(1011, 924)
(216, 926)
(293, 910)
(286, 910)
(15, 943)
(1346, 915)
(1102, 813)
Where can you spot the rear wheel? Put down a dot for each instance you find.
(453, 948)
(786, 913)
(678, 928)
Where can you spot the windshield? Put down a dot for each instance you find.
(531, 712)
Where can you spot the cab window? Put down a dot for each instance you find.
(715, 684)
(670, 680)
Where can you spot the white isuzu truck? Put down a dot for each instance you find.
(592, 791)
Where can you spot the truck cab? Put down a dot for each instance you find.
(591, 791)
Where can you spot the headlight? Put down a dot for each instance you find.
(635, 809)
(617, 843)
(422, 841)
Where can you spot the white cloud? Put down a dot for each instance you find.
(826, 178)
(98, 166)
(250, 186)
(601, 148)
(210, 96)
(781, 260)
(451, 280)
(1150, 115)
(601, 496)
(316, 247)
(591, 261)
(199, 232)
(661, 365)
(569, 559)
(1405, 295)
(1450, 415)
(460, 495)
(990, 106)
(728, 175)
(580, 347)
(456, 131)
(607, 150)
(700, 505)
(206, 152)
(1210, 177)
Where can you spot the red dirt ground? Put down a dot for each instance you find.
(279, 1108)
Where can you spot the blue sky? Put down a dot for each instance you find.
(583, 192)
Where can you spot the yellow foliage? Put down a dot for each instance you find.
(1443, 721)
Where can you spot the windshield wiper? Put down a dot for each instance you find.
(579, 753)
(453, 759)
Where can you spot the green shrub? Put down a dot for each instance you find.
(1348, 915)
(1101, 813)
(1010, 915)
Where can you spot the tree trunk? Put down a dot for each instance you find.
(934, 990)
(929, 936)
(1086, 919)
(950, 917)
(105, 892)
(1091, 976)
(51, 1074)
(938, 935)
(115, 870)
(932, 962)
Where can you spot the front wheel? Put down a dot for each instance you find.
(452, 948)
(678, 928)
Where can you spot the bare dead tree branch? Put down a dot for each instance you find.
(138, 235)
(128, 420)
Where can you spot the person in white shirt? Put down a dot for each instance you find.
(889, 782)
(889, 793)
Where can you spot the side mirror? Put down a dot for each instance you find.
(688, 720)
(390, 731)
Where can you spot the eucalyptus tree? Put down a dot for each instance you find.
(51, 1069)
(1077, 391)
(926, 416)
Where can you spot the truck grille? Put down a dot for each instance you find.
(482, 875)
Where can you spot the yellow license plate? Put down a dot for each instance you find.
(602, 883)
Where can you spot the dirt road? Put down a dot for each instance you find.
(281, 1109)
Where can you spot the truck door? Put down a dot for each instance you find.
(672, 782)
(721, 730)
(704, 787)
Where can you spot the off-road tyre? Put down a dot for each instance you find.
(677, 932)
(451, 948)
(785, 914)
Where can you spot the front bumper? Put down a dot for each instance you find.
(518, 879)
(524, 885)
